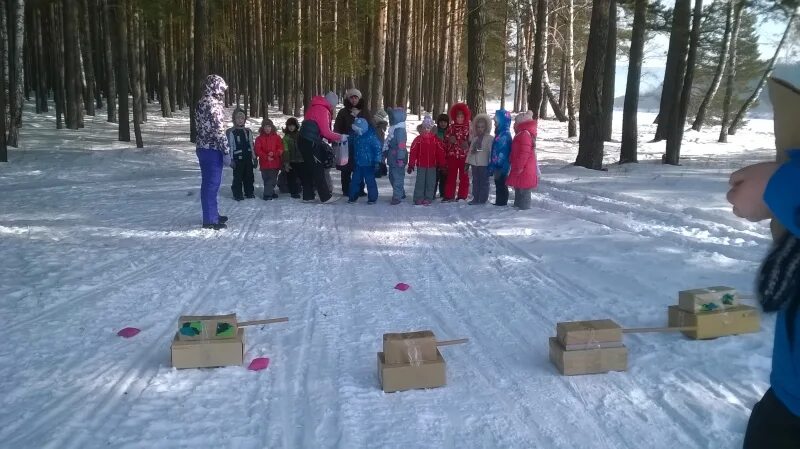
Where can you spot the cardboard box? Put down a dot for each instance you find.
(732, 321)
(208, 353)
(428, 374)
(588, 332)
(587, 361)
(192, 328)
(708, 299)
(410, 347)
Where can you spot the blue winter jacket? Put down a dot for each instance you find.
(365, 145)
(783, 198)
(396, 142)
(500, 162)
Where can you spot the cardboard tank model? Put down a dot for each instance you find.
(211, 341)
(592, 347)
(712, 312)
(412, 360)
(588, 347)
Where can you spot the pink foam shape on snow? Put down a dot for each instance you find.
(128, 332)
(259, 364)
(402, 286)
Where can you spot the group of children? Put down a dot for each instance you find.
(444, 154)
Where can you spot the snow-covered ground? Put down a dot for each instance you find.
(96, 236)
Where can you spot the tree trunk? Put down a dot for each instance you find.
(590, 146)
(610, 72)
(200, 59)
(3, 94)
(87, 51)
(135, 74)
(16, 25)
(737, 120)
(678, 119)
(476, 48)
(111, 84)
(57, 68)
(120, 12)
(572, 128)
(536, 92)
(403, 77)
(630, 137)
(71, 63)
(720, 70)
(41, 61)
(546, 92)
(163, 77)
(731, 76)
(504, 50)
(376, 100)
(676, 66)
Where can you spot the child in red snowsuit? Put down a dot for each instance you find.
(269, 150)
(427, 155)
(457, 147)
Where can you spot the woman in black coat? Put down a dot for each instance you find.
(354, 107)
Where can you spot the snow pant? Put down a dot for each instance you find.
(243, 178)
(441, 180)
(294, 178)
(397, 178)
(211, 174)
(456, 173)
(425, 187)
(270, 178)
(772, 425)
(480, 184)
(361, 176)
(347, 177)
(313, 175)
(522, 198)
(328, 180)
(501, 189)
(283, 182)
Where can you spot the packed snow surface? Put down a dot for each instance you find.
(96, 236)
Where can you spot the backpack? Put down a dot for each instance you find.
(323, 152)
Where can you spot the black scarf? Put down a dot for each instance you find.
(778, 283)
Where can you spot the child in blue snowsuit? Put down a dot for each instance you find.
(759, 192)
(367, 154)
(396, 153)
(500, 163)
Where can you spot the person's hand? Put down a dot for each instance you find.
(355, 112)
(226, 160)
(452, 139)
(344, 139)
(464, 145)
(410, 170)
(287, 167)
(747, 187)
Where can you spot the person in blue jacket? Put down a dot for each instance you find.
(367, 154)
(500, 163)
(396, 153)
(759, 192)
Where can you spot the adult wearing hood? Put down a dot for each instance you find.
(524, 172)
(500, 162)
(212, 148)
(317, 126)
(354, 107)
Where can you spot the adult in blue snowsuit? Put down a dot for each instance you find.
(212, 149)
(759, 192)
(367, 155)
(500, 162)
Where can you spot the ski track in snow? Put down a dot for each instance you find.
(92, 251)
